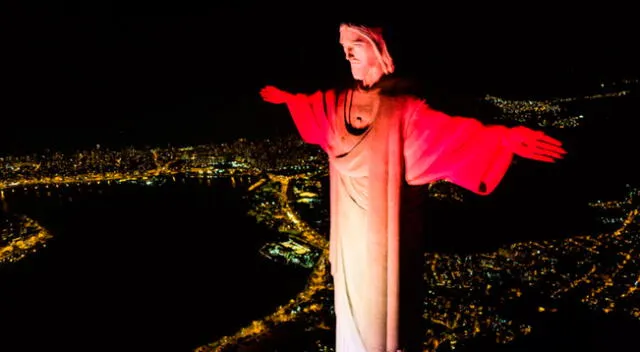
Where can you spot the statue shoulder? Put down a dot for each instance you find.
(403, 86)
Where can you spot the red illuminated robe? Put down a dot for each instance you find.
(408, 143)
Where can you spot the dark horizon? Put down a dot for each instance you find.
(84, 75)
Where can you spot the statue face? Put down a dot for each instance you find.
(360, 53)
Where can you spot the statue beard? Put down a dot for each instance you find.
(367, 76)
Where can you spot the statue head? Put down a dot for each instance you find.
(367, 53)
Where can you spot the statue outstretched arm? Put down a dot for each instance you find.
(466, 152)
(308, 112)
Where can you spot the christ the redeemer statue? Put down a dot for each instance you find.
(380, 143)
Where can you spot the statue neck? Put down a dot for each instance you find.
(372, 77)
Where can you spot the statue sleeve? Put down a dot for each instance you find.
(310, 117)
(456, 149)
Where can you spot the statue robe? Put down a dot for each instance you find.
(408, 143)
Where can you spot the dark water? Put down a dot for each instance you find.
(139, 268)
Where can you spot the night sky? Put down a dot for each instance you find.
(76, 75)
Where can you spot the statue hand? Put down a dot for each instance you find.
(273, 95)
(535, 145)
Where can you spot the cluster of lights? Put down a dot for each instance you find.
(461, 301)
(547, 113)
(20, 236)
